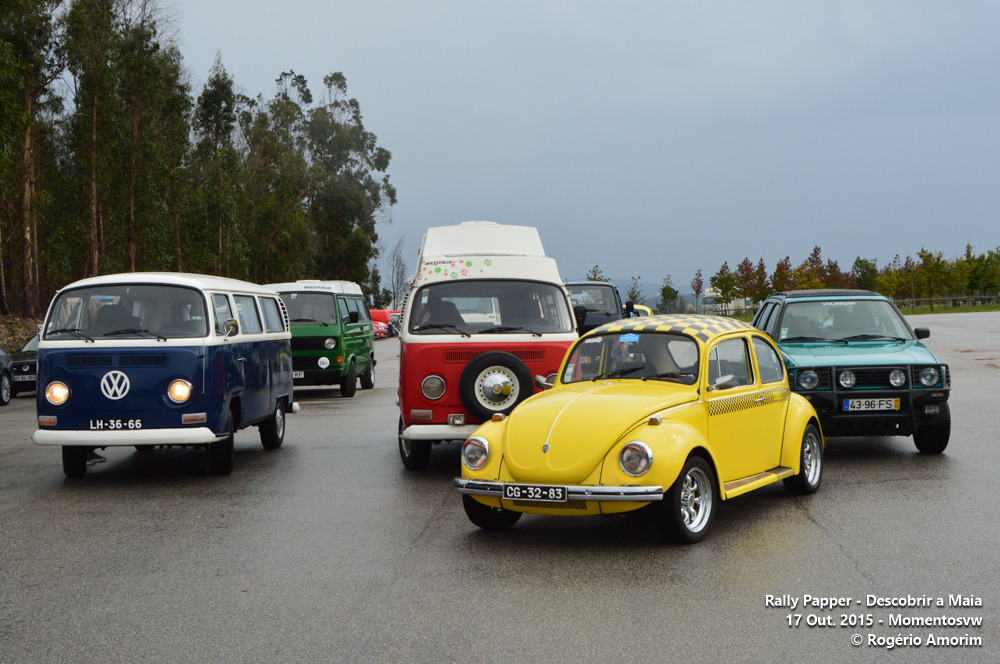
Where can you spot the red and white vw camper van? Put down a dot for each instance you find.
(485, 313)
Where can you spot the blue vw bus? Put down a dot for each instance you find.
(162, 359)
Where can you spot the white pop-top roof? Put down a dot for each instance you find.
(200, 281)
(476, 238)
(303, 285)
(483, 250)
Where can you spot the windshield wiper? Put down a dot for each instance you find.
(804, 339)
(668, 375)
(135, 330)
(617, 373)
(600, 311)
(442, 326)
(75, 331)
(872, 337)
(508, 328)
(310, 320)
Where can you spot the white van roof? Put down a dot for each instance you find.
(474, 238)
(200, 281)
(303, 285)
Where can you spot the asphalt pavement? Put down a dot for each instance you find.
(328, 550)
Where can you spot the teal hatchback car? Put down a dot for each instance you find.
(865, 371)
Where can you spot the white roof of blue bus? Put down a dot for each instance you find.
(200, 281)
(473, 238)
(301, 285)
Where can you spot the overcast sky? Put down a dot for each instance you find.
(655, 138)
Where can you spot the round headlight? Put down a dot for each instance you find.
(330, 343)
(432, 387)
(475, 453)
(636, 458)
(847, 379)
(929, 376)
(179, 390)
(56, 393)
(808, 379)
(897, 377)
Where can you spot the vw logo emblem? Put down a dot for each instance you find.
(114, 385)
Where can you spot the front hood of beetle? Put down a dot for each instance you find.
(561, 436)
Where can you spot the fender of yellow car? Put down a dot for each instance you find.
(671, 442)
(800, 413)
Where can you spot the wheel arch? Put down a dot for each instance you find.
(800, 414)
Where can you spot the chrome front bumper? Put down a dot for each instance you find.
(599, 494)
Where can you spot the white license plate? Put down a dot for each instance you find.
(298, 374)
(114, 424)
(853, 405)
(548, 494)
(25, 378)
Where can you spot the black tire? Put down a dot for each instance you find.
(688, 507)
(349, 383)
(933, 438)
(74, 460)
(6, 388)
(272, 430)
(416, 454)
(484, 381)
(222, 453)
(368, 377)
(486, 517)
(810, 474)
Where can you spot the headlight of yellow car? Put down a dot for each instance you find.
(636, 458)
(179, 390)
(56, 393)
(475, 453)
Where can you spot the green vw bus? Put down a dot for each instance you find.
(332, 334)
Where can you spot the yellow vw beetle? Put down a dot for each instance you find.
(675, 413)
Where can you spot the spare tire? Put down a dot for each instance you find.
(494, 383)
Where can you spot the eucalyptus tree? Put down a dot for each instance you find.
(276, 183)
(29, 63)
(217, 167)
(91, 39)
(350, 189)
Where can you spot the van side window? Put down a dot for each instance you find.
(352, 307)
(344, 315)
(247, 311)
(272, 315)
(223, 311)
(363, 314)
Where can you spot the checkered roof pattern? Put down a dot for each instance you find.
(695, 325)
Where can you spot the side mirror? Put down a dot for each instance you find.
(629, 308)
(231, 327)
(353, 316)
(545, 382)
(580, 314)
(922, 332)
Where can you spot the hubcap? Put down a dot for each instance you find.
(496, 388)
(696, 499)
(811, 459)
(279, 421)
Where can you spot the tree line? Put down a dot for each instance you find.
(926, 276)
(110, 162)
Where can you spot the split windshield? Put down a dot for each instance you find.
(842, 321)
(127, 311)
(489, 307)
(639, 355)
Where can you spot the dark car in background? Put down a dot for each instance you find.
(596, 303)
(6, 383)
(865, 371)
(23, 364)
